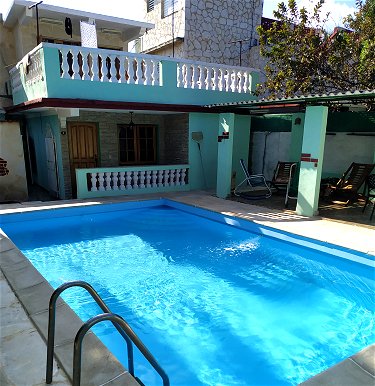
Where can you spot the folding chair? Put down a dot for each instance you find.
(254, 186)
(282, 175)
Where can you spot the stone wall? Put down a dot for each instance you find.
(213, 26)
(211, 30)
(162, 33)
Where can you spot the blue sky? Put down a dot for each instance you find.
(130, 9)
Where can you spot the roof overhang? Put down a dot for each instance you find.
(19, 12)
(352, 101)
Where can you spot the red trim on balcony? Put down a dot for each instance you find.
(107, 105)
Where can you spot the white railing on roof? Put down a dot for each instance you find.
(92, 64)
(211, 76)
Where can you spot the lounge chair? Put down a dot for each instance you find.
(370, 193)
(253, 187)
(282, 175)
(346, 189)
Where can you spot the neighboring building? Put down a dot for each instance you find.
(209, 31)
(103, 121)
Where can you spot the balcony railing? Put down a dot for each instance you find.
(102, 182)
(92, 64)
(49, 70)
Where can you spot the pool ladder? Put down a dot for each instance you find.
(119, 323)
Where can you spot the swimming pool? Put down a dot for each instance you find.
(225, 303)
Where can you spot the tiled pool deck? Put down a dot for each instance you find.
(23, 327)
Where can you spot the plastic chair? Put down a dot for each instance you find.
(256, 186)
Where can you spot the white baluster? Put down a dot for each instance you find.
(128, 180)
(215, 79)
(154, 178)
(132, 64)
(160, 177)
(101, 66)
(188, 77)
(126, 71)
(122, 180)
(246, 84)
(166, 178)
(85, 68)
(183, 175)
(108, 181)
(148, 179)
(237, 75)
(178, 176)
(171, 178)
(147, 71)
(201, 77)
(180, 75)
(138, 73)
(94, 67)
(153, 72)
(207, 78)
(101, 181)
(75, 64)
(233, 78)
(115, 181)
(195, 76)
(221, 80)
(135, 180)
(93, 182)
(105, 69)
(142, 179)
(64, 64)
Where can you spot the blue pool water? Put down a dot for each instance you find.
(216, 305)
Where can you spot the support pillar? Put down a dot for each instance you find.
(233, 144)
(298, 121)
(311, 160)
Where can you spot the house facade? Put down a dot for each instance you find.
(97, 121)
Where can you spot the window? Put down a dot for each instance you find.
(150, 5)
(169, 7)
(137, 144)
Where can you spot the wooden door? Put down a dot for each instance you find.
(83, 148)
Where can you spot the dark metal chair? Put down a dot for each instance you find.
(370, 193)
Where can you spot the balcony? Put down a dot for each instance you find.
(74, 72)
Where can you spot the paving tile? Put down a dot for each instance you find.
(24, 277)
(366, 359)
(345, 373)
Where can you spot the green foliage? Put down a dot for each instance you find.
(303, 58)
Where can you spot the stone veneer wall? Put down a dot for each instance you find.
(172, 133)
(162, 33)
(211, 26)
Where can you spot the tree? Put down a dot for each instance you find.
(302, 57)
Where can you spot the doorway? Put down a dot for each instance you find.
(83, 148)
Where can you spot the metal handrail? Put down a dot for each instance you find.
(52, 320)
(119, 321)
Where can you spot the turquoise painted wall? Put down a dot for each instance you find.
(297, 123)
(37, 127)
(55, 87)
(203, 170)
(241, 140)
(310, 172)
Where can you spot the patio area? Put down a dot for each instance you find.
(348, 222)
